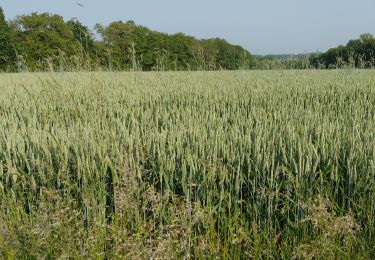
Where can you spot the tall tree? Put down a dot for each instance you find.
(7, 50)
(358, 53)
(126, 40)
(82, 35)
(154, 50)
(43, 36)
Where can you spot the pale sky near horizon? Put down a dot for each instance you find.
(261, 26)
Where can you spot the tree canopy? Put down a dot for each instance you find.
(358, 53)
(154, 50)
(7, 50)
(44, 41)
(41, 38)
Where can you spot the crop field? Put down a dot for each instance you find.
(259, 164)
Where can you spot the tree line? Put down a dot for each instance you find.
(39, 42)
(358, 53)
(45, 41)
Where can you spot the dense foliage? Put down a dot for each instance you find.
(46, 42)
(7, 50)
(359, 53)
(208, 165)
(42, 38)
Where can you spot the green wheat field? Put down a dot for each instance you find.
(240, 165)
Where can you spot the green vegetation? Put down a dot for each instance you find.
(7, 51)
(43, 39)
(358, 53)
(190, 164)
(243, 165)
(282, 62)
(151, 50)
(45, 42)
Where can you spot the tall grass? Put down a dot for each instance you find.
(188, 165)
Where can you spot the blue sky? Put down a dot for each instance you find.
(261, 26)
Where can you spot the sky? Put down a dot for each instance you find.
(260, 26)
